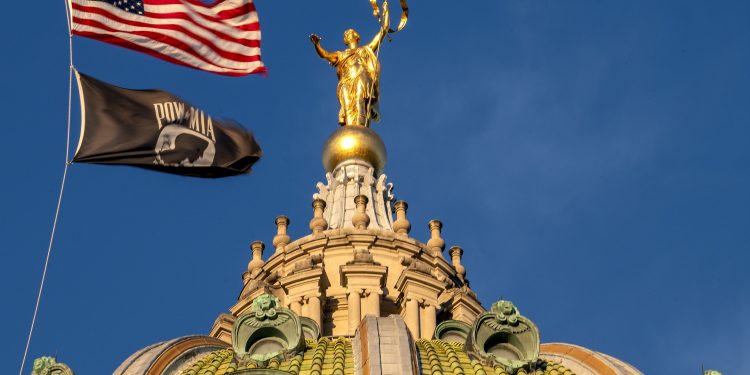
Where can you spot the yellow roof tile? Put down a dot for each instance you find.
(329, 356)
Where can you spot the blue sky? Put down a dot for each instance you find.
(590, 156)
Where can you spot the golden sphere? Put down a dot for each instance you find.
(354, 142)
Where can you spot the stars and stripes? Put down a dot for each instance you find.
(222, 37)
(132, 6)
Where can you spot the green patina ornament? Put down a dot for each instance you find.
(502, 337)
(42, 365)
(49, 366)
(267, 332)
(452, 331)
(506, 312)
(265, 306)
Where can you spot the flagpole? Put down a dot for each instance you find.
(62, 188)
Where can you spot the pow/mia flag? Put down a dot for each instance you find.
(157, 130)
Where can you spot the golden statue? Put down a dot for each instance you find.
(358, 71)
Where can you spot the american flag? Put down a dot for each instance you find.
(222, 37)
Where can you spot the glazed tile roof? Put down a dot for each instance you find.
(439, 357)
(334, 357)
(323, 357)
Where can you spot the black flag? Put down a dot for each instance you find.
(157, 130)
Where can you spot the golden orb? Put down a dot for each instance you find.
(354, 142)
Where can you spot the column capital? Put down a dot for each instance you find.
(355, 290)
(418, 300)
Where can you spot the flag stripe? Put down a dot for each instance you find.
(241, 22)
(163, 45)
(223, 37)
(237, 13)
(231, 50)
(198, 19)
(222, 31)
(179, 42)
(115, 40)
(217, 5)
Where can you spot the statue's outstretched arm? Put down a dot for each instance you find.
(386, 23)
(331, 57)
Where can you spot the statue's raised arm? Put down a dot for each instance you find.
(384, 26)
(332, 57)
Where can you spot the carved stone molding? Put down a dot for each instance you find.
(349, 180)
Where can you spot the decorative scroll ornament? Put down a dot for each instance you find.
(49, 366)
(452, 331)
(265, 307)
(506, 317)
(503, 337)
(404, 15)
(266, 332)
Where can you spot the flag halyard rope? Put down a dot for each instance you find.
(60, 196)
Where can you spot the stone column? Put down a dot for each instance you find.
(305, 307)
(354, 308)
(420, 288)
(372, 303)
(411, 318)
(303, 290)
(314, 311)
(428, 321)
(296, 306)
(358, 277)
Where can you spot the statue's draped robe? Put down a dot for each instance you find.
(359, 85)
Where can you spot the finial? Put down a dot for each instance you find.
(436, 243)
(401, 225)
(318, 223)
(257, 262)
(281, 239)
(360, 219)
(455, 253)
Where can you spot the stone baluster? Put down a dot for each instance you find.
(281, 239)
(401, 225)
(355, 309)
(257, 261)
(436, 244)
(456, 253)
(428, 321)
(360, 219)
(318, 223)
